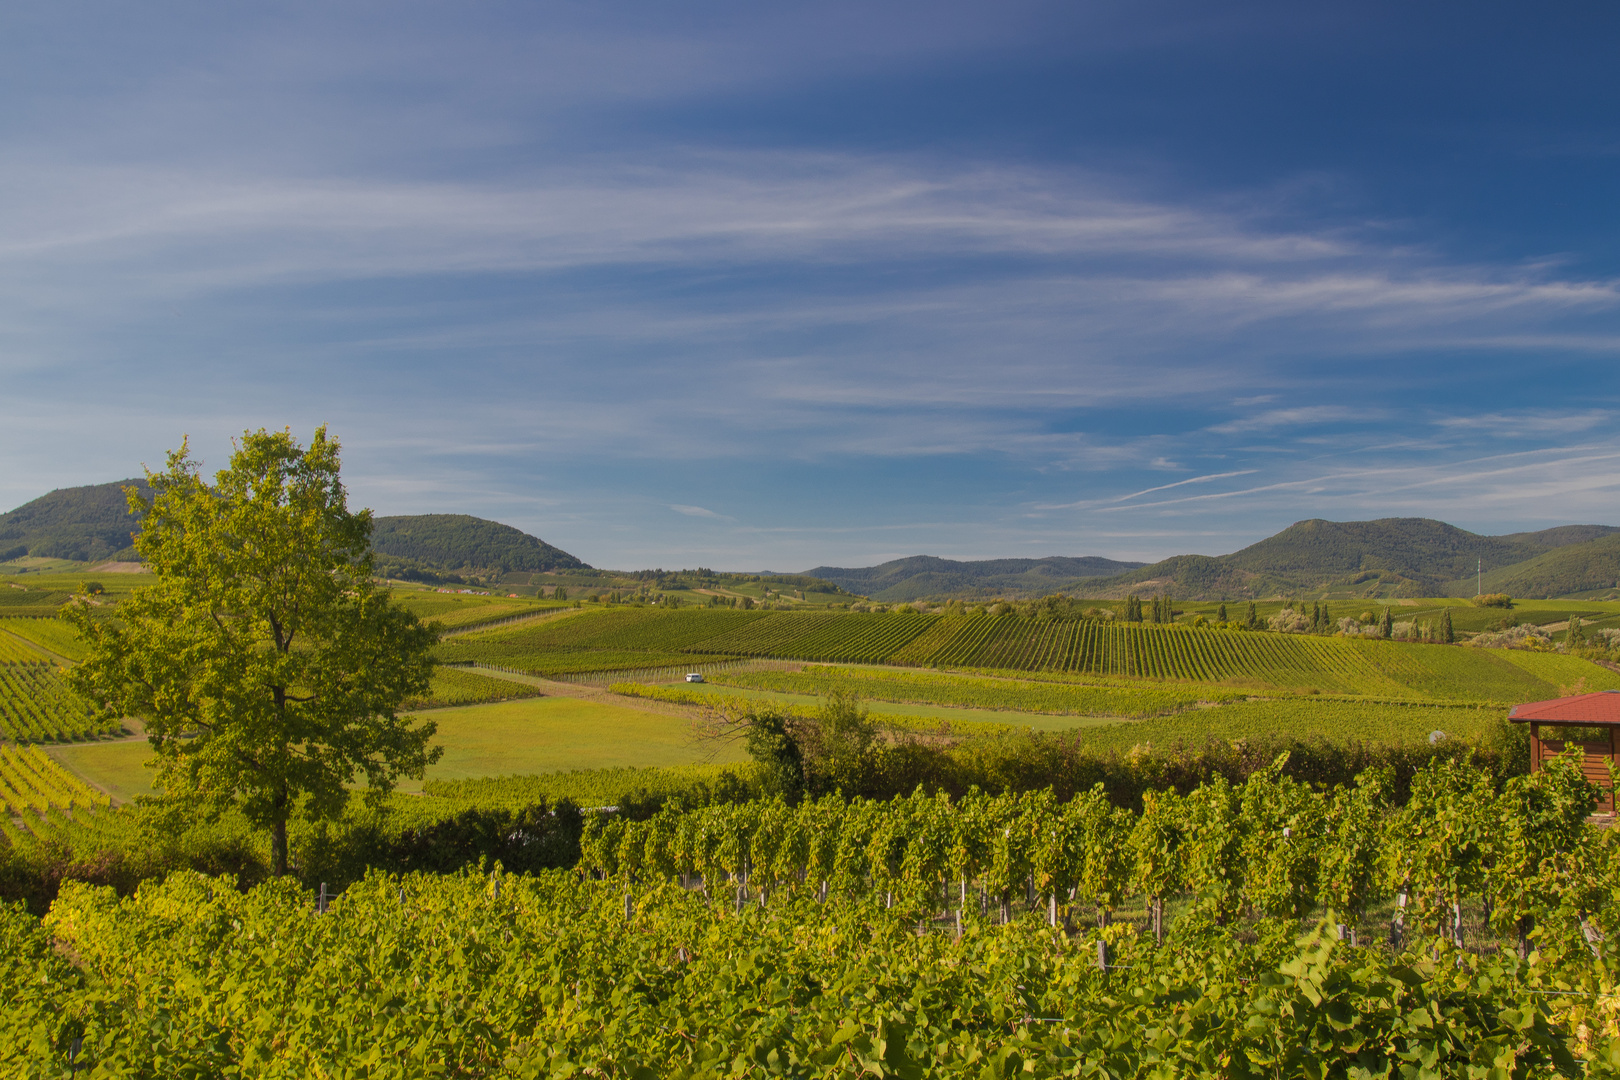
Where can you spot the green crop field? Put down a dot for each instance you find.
(1335, 721)
(871, 684)
(613, 638)
(31, 781)
(838, 636)
(932, 719)
(452, 610)
(31, 603)
(453, 686)
(619, 639)
(587, 787)
(36, 706)
(14, 651)
(54, 634)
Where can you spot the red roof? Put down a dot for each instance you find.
(1602, 707)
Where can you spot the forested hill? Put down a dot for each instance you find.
(1575, 568)
(90, 523)
(1404, 556)
(461, 542)
(922, 576)
(93, 524)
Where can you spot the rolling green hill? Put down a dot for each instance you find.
(924, 576)
(92, 524)
(1576, 568)
(89, 524)
(461, 542)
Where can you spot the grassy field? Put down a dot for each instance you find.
(536, 735)
(982, 693)
(116, 767)
(909, 715)
(1305, 719)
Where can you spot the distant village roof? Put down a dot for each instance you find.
(1602, 707)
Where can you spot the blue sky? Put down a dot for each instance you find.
(770, 286)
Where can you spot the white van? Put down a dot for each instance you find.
(694, 676)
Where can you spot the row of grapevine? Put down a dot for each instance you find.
(1270, 848)
(456, 686)
(54, 635)
(37, 706)
(1113, 649)
(551, 976)
(31, 780)
(845, 637)
(14, 651)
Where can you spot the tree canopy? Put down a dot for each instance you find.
(267, 666)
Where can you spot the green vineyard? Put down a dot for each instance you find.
(847, 638)
(52, 634)
(13, 651)
(31, 781)
(617, 638)
(37, 706)
(992, 936)
(452, 686)
(626, 638)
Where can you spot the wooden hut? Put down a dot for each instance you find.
(1585, 720)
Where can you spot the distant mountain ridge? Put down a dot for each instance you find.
(1387, 557)
(1406, 556)
(926, 576)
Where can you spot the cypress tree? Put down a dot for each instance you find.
(1254, 616)
(1447, 635)
(1386, 625)
(1327, 620)
(1220, 613)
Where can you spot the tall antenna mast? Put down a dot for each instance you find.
(1479, 577)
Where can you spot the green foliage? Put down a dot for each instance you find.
(266, 665)
(1493, 600)
(493, 974)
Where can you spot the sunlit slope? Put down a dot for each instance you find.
(646, 637)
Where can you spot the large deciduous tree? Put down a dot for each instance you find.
(265, 663)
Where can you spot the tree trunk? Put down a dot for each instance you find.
(278, 847)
